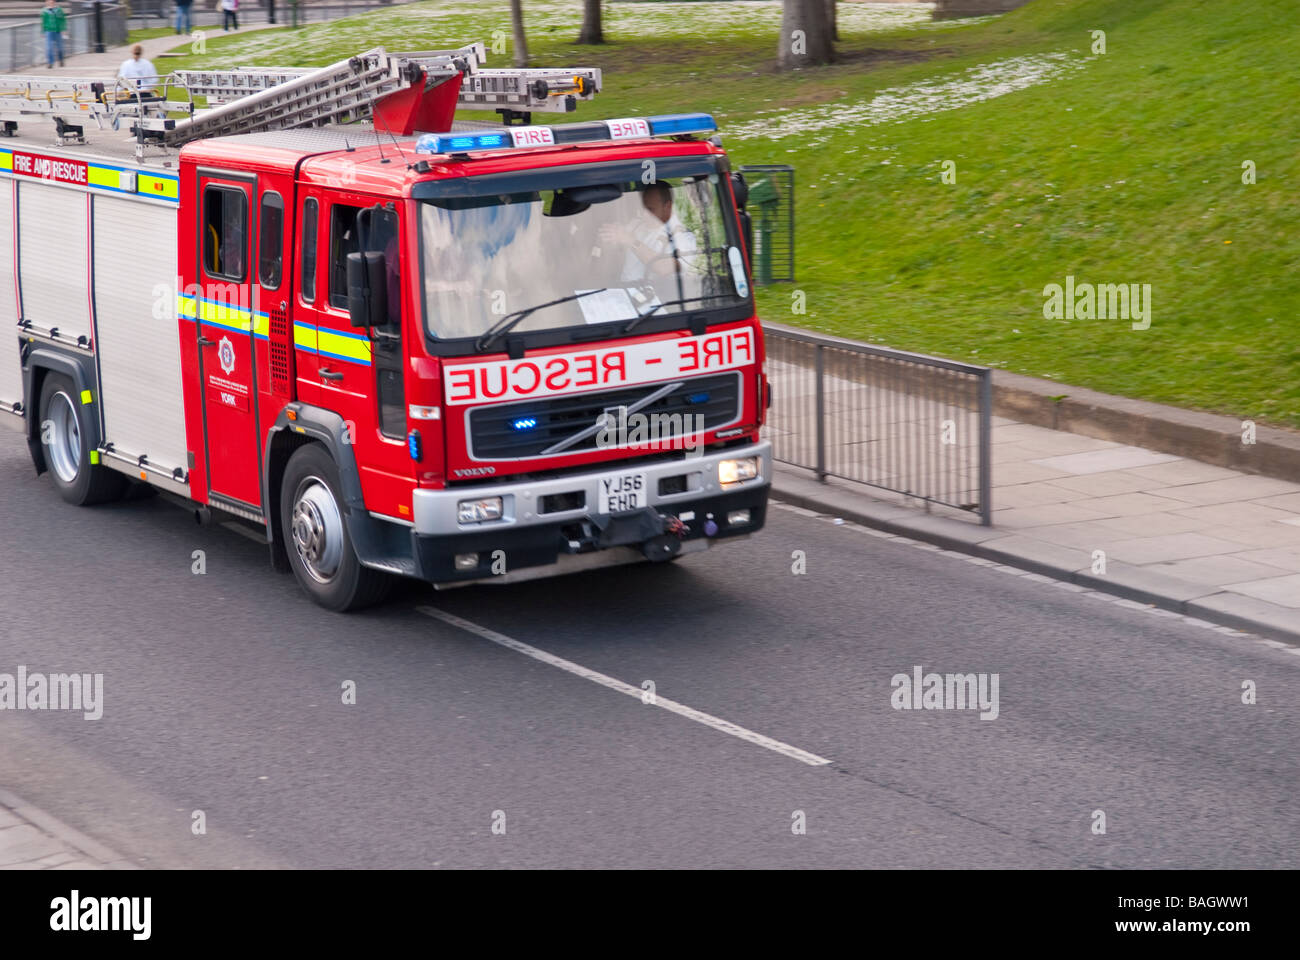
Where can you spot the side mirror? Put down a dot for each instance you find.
(741, 189)
(367, 289)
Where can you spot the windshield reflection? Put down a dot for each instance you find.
(650, 245)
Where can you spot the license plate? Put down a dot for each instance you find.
(623, 492)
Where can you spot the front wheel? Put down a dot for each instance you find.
(65, 442)
(316, 535)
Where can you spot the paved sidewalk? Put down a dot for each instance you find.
(31, 839)
(106, 64)
(1187, 536)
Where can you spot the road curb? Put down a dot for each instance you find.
(1071, 565)
(92, 848)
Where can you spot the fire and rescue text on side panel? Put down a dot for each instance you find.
(96, 176)
(545, 376)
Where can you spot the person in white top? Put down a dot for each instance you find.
(138, 69)
(659, 246)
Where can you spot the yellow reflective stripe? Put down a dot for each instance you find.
(304, 337)
(345, 348)
(6, 160)
(152, 185)
(109, 177)
(223, 315)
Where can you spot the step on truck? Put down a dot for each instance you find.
(399, 344)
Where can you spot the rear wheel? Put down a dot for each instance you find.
(316, 535)
(65, 442)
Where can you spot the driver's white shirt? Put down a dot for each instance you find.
(138, 70)
(663, 238)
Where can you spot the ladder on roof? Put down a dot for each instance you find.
(555, 90)
(70, 103)
(401, 92)
(278, 99)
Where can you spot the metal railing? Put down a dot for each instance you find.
(207, 13)
(903, 422)
(22, 44)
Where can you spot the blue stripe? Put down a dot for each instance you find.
(335, 356)
(340, 333)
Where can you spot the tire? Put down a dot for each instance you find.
(65, 439)
(316, 535)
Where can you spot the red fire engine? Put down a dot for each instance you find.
(401, 346)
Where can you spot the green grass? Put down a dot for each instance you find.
(1126, 169)
(148, 33)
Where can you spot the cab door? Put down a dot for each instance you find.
(228, 378)
(360, 370)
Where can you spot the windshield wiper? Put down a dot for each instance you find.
(510, 321)
(632, 324)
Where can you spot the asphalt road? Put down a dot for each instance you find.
(223, 694)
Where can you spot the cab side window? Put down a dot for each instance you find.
(225, 232)
(380, 235)
(343, 240)
(307, 280)
(270, 241)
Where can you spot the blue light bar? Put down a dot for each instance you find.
(524, 423)
(668, 125)
(461, 142)
(674, 123)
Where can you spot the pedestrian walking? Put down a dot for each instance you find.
(184, 8)
(231, 10)
(138, 72)
(53, 22)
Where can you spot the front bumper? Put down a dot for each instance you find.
(536, 531)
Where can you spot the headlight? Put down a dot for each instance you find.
(737, 471)
(478, 511)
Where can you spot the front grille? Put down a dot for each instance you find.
(511, 431)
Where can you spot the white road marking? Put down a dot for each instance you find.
(672, 706)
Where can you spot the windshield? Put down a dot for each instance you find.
(608, 252)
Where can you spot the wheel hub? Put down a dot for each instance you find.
(317, 528)
(64, 437)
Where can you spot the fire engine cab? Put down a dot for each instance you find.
(399, 345)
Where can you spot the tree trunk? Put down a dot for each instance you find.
(517, 27)
(832, 18)
(591, 25)
(805, 35)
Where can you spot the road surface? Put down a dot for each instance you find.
(522, 707)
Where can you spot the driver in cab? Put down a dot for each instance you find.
(659, 246)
